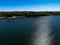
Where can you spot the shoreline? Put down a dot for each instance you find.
(25, 16)
(20, 14)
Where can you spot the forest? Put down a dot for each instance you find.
(28, 13)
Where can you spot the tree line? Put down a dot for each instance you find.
(28, 13)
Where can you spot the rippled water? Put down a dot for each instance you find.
(42, 35)
(30, 31)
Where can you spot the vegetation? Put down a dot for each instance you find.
(28, 13)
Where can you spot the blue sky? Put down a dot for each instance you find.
(30, 5)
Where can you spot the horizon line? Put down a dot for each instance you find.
(28, 11)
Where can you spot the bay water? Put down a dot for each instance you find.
(43, 30)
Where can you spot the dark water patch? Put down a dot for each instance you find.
(16, 31)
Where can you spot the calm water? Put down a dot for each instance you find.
(30, 31)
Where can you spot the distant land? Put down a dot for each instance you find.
(27, 13)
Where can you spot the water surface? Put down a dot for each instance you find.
(30, 30)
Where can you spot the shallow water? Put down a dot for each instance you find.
(30, 31)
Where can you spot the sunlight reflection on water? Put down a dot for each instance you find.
(42, 34)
